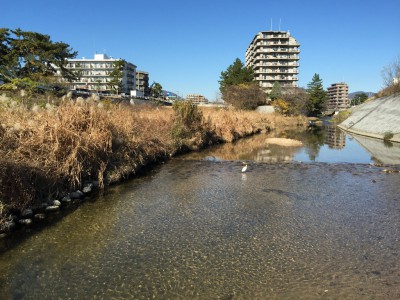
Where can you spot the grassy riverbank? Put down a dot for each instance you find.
(47, 151)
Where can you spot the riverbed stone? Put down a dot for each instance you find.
(52, 208)
(76, 195)
(66, 199)
(39, 217)
(25, 222)
(3, 235)
(87, 188)
(27, 213)
(56, 203)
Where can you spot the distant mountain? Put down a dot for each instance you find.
(352, 95)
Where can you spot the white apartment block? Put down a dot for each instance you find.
(274, 57)
(338, 96)
(196, 99)
(94, 74)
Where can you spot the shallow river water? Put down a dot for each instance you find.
(201, 229)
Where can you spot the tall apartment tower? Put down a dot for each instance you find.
(274, 57)
(338, 96)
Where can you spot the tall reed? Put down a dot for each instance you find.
(45, 152)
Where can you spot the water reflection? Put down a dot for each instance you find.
(382, 152)
(320, 144)
(335, 137)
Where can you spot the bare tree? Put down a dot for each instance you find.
(391, 73)
(244, 96)
(297, 99)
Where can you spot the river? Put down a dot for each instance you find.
(197, 228)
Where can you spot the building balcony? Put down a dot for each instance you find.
(277, 71)
(277, 78)
(275, 36)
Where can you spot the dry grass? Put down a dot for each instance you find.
(388, 91)
(48, 151)
(229, 125)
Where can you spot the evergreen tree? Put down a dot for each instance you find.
(316, 103)
(117, 75)
(359, 98)
(276, 91)
(237, 73)
(155, 89)
(31, 55)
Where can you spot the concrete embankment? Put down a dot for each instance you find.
(376, 118)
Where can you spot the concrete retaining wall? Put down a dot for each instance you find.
(375, 118)
(265, 109)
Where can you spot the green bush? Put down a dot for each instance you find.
(388, 135)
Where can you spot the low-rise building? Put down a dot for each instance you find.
(94, 75)
(338, 96)
(196, 99)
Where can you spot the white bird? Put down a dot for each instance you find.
(244, 169)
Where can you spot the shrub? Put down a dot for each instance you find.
(281, 106)
(388, 135)
(341, 116)
(244, 96)
(187, 125)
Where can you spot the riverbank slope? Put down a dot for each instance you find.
(376, 118)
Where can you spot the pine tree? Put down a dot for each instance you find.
(26, 54)
(117, 75)
(276, 91)
(317, 97)
(237, 73)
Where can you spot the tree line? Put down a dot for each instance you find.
(239, 89)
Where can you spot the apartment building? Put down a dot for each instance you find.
(196, 99)
(335, 138)
(338, 96)
(142, 82)
(94, 74)
(274, 57)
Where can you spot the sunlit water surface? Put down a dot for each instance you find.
(320, 144)
(202, 229)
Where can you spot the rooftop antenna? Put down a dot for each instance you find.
(280, 24)
(271, 24)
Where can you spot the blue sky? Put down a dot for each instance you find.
(184, 45)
